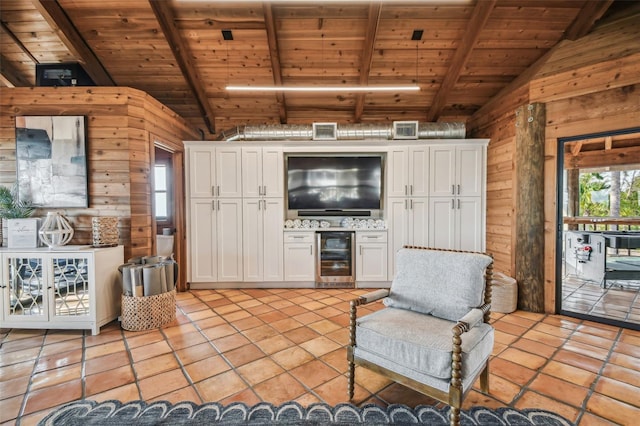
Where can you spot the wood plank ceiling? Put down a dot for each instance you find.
(175, 51)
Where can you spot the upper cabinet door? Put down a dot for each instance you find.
(442, 170)
(252, 172)
(272, 172)
(228, 172)
(397, 172)
(202, 171)
(469, 171)
(418, 171)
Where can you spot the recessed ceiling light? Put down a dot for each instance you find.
(227, 35)
(417, 35)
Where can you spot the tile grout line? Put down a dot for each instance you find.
(25, 396)
(592, 388)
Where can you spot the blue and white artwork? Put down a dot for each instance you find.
(52, 161)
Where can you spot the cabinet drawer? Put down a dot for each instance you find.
(298, 237)
(371, 237)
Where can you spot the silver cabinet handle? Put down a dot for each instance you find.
(264, 190)
(264, 204)
(218, 205)
(213, 191)
(458, 203)
(458, 189)
(453, 190)
(453, 206)
(213, 205)
(406, 204)
(410, 189)
(411, 204)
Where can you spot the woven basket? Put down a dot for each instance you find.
(504, 293)
(145, 313)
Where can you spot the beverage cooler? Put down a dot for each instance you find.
(335, 266)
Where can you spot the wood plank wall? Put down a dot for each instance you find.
(123, 124)
(590, 85)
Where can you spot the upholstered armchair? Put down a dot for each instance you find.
(433, 335)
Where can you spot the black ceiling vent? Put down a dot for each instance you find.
(227, 35)
(62, 74)
(417, 35)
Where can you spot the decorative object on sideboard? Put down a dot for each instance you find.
(11, 208)
(104, 231)
(56, 231)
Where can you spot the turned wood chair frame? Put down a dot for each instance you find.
(456, 393)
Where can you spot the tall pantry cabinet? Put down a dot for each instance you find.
(214, 197)
(263, 212)
(436, 196)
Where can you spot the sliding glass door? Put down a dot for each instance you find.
(598, 244)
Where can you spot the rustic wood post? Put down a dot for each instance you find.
(573, 189)
(529, 252)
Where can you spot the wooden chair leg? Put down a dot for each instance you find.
(484, 379)
(454, 416)
(351, 379)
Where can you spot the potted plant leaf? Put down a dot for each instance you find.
(12, 208)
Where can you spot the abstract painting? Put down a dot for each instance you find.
(52, 161)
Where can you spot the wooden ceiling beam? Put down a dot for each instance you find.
(274, 53)
(478, 19)
(373, 21)
(602, 158)
(60, 23)
(166, 19)
(588, 15)
(10, 76)
(16, 40)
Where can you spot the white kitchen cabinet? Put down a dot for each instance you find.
(263, 239)
(456, 223)
(371, 256)
(74, 287)
(215, 240)
(214, 171)
(407, 171)
(407, 220)
(262, 172)
(456, 171)
(299, 256)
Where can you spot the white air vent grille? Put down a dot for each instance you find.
(405, 130)
(325, 131)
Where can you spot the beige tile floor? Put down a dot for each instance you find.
(283, 344)
(619, 301)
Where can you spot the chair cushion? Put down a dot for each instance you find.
(440, 283)
(421, 343)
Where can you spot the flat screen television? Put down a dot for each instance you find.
(334, 184)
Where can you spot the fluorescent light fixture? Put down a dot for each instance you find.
(343, 88)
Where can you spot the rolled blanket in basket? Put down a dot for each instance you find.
(136, 280)
(151, 260)
(169, 274)
(154, 279)
(125, 270)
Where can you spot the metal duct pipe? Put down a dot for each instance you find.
(442, 130)
(304, 132)
(364, 131)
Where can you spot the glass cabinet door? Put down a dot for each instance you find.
(70, 286)
(26, 285)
